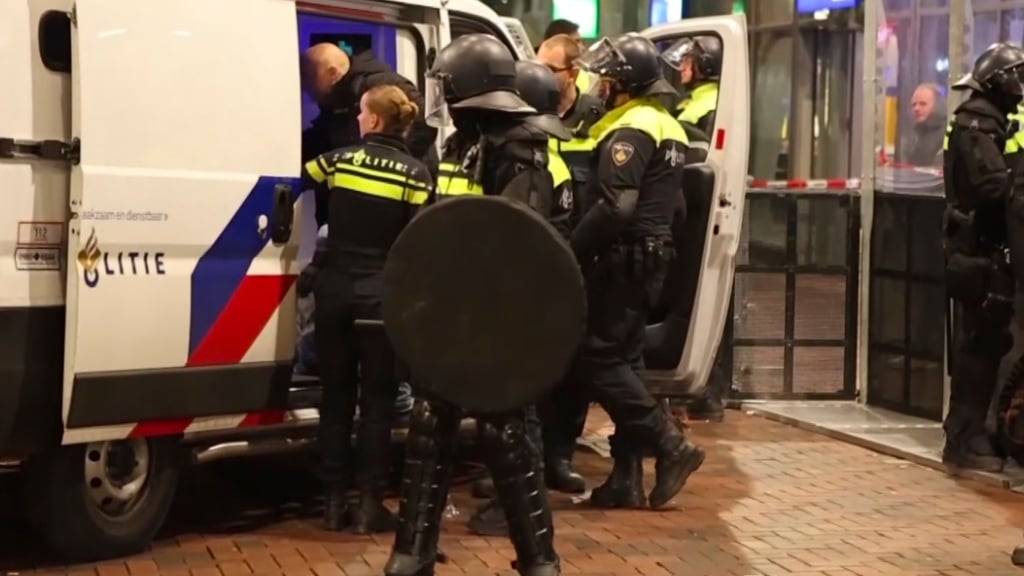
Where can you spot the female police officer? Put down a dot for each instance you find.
(375, 188)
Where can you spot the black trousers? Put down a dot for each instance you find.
(357, 368)
(980, 342)
(611, 357)
(563, 414)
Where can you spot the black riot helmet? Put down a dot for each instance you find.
(632, 61)
(475, 71)
(537, 85)
(705, 52)
(997, 73)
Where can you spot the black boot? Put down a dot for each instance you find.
(370, 516)
(337, 515)
(677, 460)
(489, 520)
(710, 409)
(973, 453)
(624, 487)
(515, 466)
(559, 475)
(430, 453)
(483, 488)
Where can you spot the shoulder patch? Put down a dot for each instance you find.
(622, 152)
(565, 200)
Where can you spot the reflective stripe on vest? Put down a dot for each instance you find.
(556, 165)
(452, 181)
(1015, 143)
(583, 81)
(407, 191)
(702, 101)
(316, 170)
(945, 139)
(645, 115)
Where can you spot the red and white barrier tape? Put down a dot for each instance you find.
(801, 184)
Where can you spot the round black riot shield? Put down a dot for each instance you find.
(485, 303)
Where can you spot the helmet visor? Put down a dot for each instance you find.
(436, 109)
(603, 59)
(677, 52)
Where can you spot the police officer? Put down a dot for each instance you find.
(564, 413)
(374, 190)
(699, 64)
(978, 182)
(1009, 409)
(623, 243)
(338, 81)
(578, 109)
(495, 151)
(538, 87)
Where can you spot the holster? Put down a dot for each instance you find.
(967, 271)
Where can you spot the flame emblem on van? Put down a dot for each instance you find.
(95, 262)
(89, 255)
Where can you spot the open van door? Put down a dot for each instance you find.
(181, 247)
(681, 348)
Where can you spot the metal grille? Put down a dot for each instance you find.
(907, 325)
(795, 296)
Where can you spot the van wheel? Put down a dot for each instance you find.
(102, 500)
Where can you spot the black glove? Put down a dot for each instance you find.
(307, 280)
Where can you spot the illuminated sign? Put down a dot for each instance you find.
(664, 11)
(585, 13)
(809, 6)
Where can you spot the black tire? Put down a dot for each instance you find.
(66, 515)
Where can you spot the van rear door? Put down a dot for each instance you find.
(681, 348)
(182, 256)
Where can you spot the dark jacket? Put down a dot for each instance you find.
(337, 127)
(976, 174)
(375, 189)
(924, 146)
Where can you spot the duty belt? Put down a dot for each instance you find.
(647, 255)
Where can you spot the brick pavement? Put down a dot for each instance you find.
(770, 500)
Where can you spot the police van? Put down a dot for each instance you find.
(153, 229)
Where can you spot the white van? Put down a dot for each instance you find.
(151, 234)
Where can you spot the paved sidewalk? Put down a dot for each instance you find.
(770, 500)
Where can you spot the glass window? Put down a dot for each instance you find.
(764, 235)
(888, 312)
(766, 13)
(886, 378)
(821, 231)
(833, 105)
(986, 31)
(772, 61)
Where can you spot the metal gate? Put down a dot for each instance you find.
(907, 326)
(795, 294)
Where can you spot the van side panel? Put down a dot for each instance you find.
(36, 106)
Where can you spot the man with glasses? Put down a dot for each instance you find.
(564, 414)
